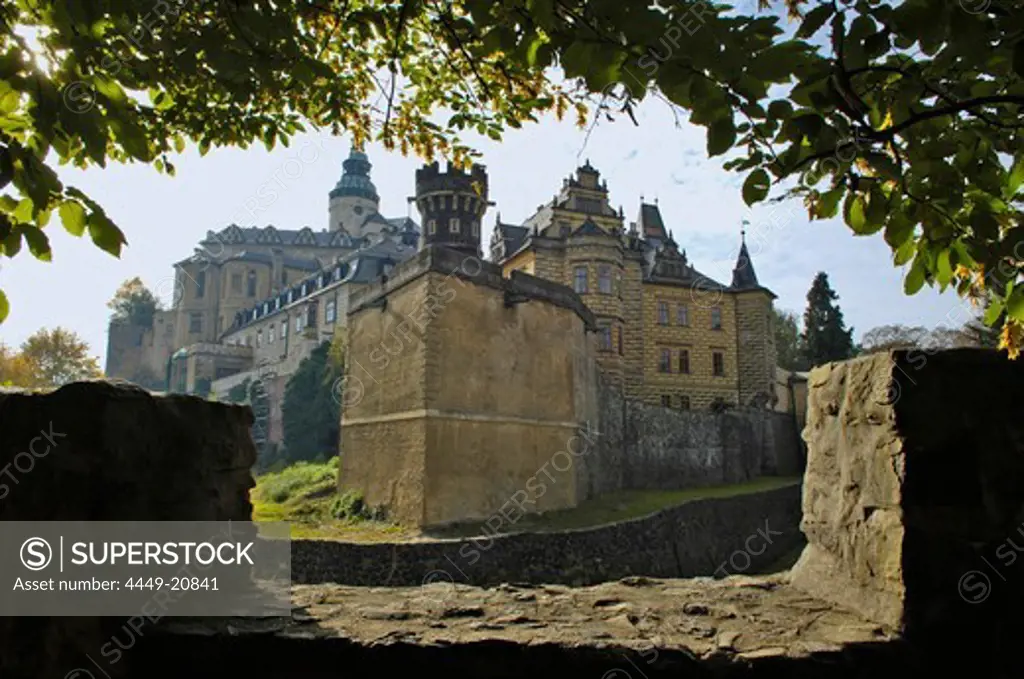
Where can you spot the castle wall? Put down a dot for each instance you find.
(756, 356)
(464, 401)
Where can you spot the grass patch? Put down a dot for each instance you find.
(618, 506)
(305, 495)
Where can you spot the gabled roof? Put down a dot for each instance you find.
(511, 235)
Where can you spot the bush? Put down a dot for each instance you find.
(298, 480)
(351, 505)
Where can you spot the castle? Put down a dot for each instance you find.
(251, 303)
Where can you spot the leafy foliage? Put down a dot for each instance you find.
(789, 349)
(825, 337)
(904, 118)
(134, 304)
(48, 358)
(310, 413)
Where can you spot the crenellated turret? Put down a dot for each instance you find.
(452, 204)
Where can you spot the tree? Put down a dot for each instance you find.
(903, 117)
(54, 358)
(825, 335)
(134, 304)
(788, 344)
(310, 413)
(15, 371)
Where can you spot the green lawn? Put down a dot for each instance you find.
(305, 495)
(619, 506)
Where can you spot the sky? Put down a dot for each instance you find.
(165, 217)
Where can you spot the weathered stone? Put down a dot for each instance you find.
(914, 483)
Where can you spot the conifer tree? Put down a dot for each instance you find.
(825, 336)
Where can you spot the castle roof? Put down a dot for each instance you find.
(650, 222)
(355, 178)
(511, 235)
(589, 228)
(270, 235)
(743, 275)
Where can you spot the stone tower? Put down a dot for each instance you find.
(452, 204)
(755, 333)
(354, 197)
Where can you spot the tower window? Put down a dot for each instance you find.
(195, 323)
(684, 361)
(666, 401)
(251, 284)
(665, 364)
(662, 313)
(453, 225)
(475, 226)
(684, 402)
(259, 339)
(716, 318)
(236, 284)
(683, 315)
(605, 342)
(431, 226)
(200, 284)
(718, 364)
(604, 279)
(580, 279)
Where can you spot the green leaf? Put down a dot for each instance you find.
(904, 252)
(856, 214)
(994, 311)
(73, 216)
(5, 307)
(1015, 305)
(828, 203)
(38, 244)
(721, 136)
(105, 234)
(915, 277)
(814, 20)
(756, 187)
(943, 268)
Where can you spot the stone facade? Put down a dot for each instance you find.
(668, 334)
(430, 436)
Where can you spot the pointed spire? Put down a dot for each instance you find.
(743, 275)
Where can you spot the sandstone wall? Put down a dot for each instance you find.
(99, 451)
(913, 500)
(720, 536)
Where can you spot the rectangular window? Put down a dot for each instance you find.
(475, 227)
(662, 313)
(666, 401)
(298, 322)
(270, 334)
(620, 341)
(236, 284)
(195, 323)
(259, 339)
(605, 339)
(716, 318)
(684, 361)
(718, 364)
(604, 279)
(251, 284)
(580, 280)
(311, 315)
(665, 364)
(431, 226)
(683, 315)
(200, 284)
(329, 311)
(684, 402)
(453, 225)
(284, 329)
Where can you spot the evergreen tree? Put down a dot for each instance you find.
(134, 304)
(825, 337)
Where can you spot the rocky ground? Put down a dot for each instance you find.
(742, 618)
